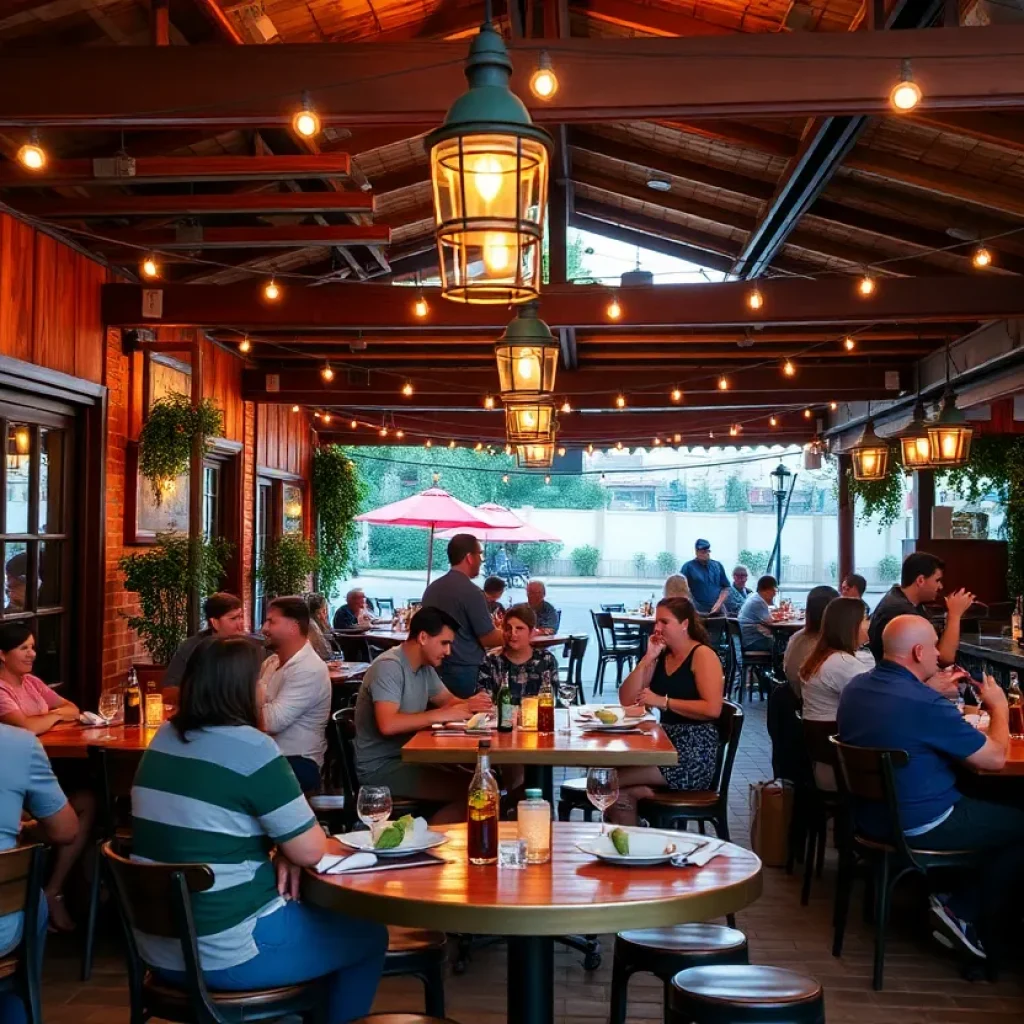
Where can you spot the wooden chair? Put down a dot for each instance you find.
(868, 775)
(21, 883)
(575, 651)
(157, 899)
(611, 649)
(745, 664)
(748, 994)
(819, 805)
(385, 606)
(353, 646)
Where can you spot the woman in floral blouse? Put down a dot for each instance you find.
(525, 666)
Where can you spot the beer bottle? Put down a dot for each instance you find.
(506, 709)
(133, 700)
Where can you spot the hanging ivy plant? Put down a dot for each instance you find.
(337, 493)
(285, 566)
(881, 500)
(165, 443)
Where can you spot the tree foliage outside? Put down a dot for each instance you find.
(576, 270)
(585, 560)
(666, 563)
(701, 498)
(535, 555)
(286, 565)
(337, 494)
(640, 563)
(736, 497)
(404, 547)
(889, 569)
(755, 561)
(881, 500)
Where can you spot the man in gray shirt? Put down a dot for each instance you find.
(225, 618)
(401, 693)
(457, 594)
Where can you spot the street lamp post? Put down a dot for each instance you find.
(780, 477)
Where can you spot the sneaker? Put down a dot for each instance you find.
(952, 931)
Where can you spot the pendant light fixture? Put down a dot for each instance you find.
(949, 434)
(870, 455)
(527, 358)
(535, 456)
(914, 441)
(489, 171)
(530, 422)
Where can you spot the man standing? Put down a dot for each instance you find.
(902, 704)
(295, 691)
(400, 694)
(708, 583)
(353, 612)
(547, 616)
(738, 592)
(920, 582)
(756, 613)
(225, 618)
(457, 595)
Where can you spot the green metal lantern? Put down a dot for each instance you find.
(949, 435)
(870, 455)
(527, 357)
(913, 438)
(489, 170)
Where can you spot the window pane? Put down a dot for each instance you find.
(51, 573)
(49, 640)
(51, 476)
(211, 502)
(15, 576)
(292, 509)
(19, 457)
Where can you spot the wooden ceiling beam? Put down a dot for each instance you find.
(197, 205)
(967, 68)
(1005, 131)
(787, 302)
(656, 21)
(294, 236)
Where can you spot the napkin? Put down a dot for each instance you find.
(336, 863)
(91, 718)
(700, 857)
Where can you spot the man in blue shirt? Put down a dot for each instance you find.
(709, 585)
(903, 704)
(755, 615)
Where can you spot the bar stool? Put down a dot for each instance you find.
(749, 994)
(422, 954)
(402, 1018)
(664, 952)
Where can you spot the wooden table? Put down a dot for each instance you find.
(1014, 767)
(1001, 653)
(572, 894)
(71, 740)
(781, 632)
(391, 638)
(348, 671)
(541, 752)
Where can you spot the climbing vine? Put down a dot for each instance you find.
(165, 442)
(337, 493)
(881, 500)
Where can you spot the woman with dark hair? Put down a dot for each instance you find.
(26, 702)
(837, 657)
(802, 642)
(681, 676)
(320, 627)
(212, 789)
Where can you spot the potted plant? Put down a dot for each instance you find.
(163, 578)
(165, 441)
(286, 565)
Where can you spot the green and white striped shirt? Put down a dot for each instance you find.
(224, 799)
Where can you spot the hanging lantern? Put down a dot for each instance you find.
(535, 456)
(527, 357)
(949, 435)
(529, 422)
(489, 171)
(914, 442)
(870, 455)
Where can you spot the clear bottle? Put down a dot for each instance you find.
(132, 700)
(506, 707)
(484, 802)
(545, 706)
(1015, 623)
(533, 816)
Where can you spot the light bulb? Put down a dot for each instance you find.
(528, 367)
(271, 290)
(353, 424)
(788, 369)
(544, 82)
(327, 373)
(755, 300)
(529, 420)
(566, 407)
(849, 344)
(807, 414)
(327, 417)
(451, 444)
(420, 308)
(869, 461)
(149, 267)
(677, 438)
(618, 444)
(31, 155)
(734, 430)
(488, 401)
(486, 172)
(723, 384)
(497, 252)
(428, 443)
(317, 415)
(547, 479)
(561, 451)
(504, 478)
(306, 122)
(773, 421)
(295, 408)
(677, 395)
(245, 345)
(614, 310)
(620, 401)
(982, 257)
(656, 442)
(866, 285)
(590, 449)
(407, 389)
(479, 447)
(833, 406)
(399, 434)
(383, 431)
(906, 93)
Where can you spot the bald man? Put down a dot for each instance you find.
(903, 704)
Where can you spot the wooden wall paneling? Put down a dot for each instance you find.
(45, 301)
(63, 336)
(222, 382)
(17, 282)
(89, 334)
(261, 434)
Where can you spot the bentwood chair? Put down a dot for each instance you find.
(745, 664)
(819, 803)
(157, 899)
(611, 649)
(21, 881)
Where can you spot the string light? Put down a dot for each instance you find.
(547, 479)
(428, 443)
(479, 447)
(561, 452)
(407, 389)
(327, 373)
(451, 444)
(245, 345)
(866, 285)
(383, 431)
(807, 414)
(590, 449)
(295, 408)
(906, 93)
(789, 369)
(734, 430)
(833, 406)
(723, 384)
(849, 344)
(773, 421)
(31, 155)
(306, 122)
(327, 417)
(488, 401)
(272, 291)
(755, 300)
(504, 478)
(677, 438)
(544, 81)
(982, 257)
(656, 442)
(620, 401)
(618, 444)
(353, 424)
(677, 395)
(614, 310)
(399, 434)
(316, 415)
(566, 407)
(420, 307)
(149, 266)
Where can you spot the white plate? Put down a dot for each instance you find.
(680, 844)
(627, 726)
(364, 841)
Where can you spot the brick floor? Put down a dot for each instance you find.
(923, 985)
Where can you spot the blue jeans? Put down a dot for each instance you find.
(307, 771)
(12, 1010)
(299, 943)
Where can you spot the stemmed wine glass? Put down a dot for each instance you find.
(109, 708)
(373, 805)
(602, 790)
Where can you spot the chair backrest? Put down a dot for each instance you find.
(729, 725)
(818, 742)
(374, 651)
(868, 775)
(579, 652)
(558, 619)
(613, 607)
(344, 722)
(353, 647)
(113, 772)
(21, 874)
(385, 606)
(605, 630)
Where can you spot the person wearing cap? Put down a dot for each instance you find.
(708, 583)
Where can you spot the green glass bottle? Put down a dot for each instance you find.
(506, 709)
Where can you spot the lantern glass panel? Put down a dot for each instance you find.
(529, 422)
(916, 451)
(526, 369)
(870, 463)
(950, 444)
(535, 456)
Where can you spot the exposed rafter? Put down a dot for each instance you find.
(196, 205)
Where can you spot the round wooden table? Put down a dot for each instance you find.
(573, 893)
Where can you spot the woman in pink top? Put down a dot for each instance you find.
(28, 703)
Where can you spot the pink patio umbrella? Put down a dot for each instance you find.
(509, 527)
(433, 509)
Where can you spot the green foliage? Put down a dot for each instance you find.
(736, 498)
(585, 560)
(404, 547)
(881, 500)
(286, 565)
(337, 492)
(165, 442)
(666, 563)
(640, 563)
(889, 569)
(576, 270)
(536, 554)
(755, 561)
(163, 578)
(701, 498)
(833, 571)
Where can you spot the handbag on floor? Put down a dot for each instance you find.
(771, 812)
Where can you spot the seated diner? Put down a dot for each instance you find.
(803, 641)
(837, 657)
(524, 666)
(676, 586)
(756, 614)
(494, 587)
(547, 615)
(224, 617)
(353, 613)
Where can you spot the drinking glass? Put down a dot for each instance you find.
(566, 693)
(373, 805)
(109, 708)
(602, 789)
